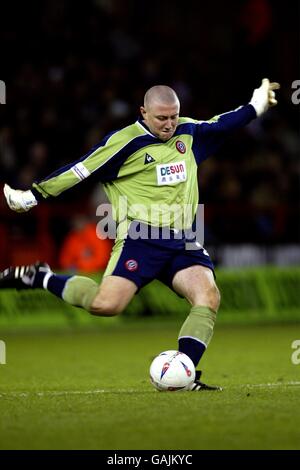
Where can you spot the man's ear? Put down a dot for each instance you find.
(143, 111)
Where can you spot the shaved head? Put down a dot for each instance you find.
(162, 95)
(161, 111)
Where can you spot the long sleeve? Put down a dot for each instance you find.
(103, 162)
(211, 134)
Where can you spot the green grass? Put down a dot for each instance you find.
(90, 390)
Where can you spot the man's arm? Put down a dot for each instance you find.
(103, 161)
(52, 185)
(212, 133)
(56, 183)
(262, 99)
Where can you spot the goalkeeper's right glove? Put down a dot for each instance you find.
(19, 201)
(264, 96)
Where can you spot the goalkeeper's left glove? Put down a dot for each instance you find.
(19, 201)
(264, 97)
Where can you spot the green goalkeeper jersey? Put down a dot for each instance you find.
(145, 178)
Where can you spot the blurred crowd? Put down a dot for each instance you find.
(75, 71)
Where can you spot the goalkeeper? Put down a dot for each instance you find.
(154, 160)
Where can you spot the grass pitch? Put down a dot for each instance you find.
(90, 390)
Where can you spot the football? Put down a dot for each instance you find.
(172, 371)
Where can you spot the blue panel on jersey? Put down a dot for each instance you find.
(210, 136)
(109, 171)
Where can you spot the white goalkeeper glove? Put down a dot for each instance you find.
(264, 97)
(19, 201)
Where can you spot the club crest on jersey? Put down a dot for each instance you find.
(171, 173)
(131, 265)
(180, 146)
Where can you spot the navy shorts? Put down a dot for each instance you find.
(142, 261)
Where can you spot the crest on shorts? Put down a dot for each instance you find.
(131, 265)
(180, 146)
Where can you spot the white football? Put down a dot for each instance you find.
(172, 371)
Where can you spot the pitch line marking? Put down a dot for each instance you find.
(276, 384)
(101, 391)
(62, 393)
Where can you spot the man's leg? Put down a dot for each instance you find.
(198, 286)
(113, 295)
(108, 299)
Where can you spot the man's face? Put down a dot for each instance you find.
(161, 119)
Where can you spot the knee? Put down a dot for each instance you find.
(209, 297)
(105, 308)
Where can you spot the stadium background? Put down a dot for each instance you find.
(75, 71)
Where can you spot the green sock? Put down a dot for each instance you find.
(199, 324)
(80, 291)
